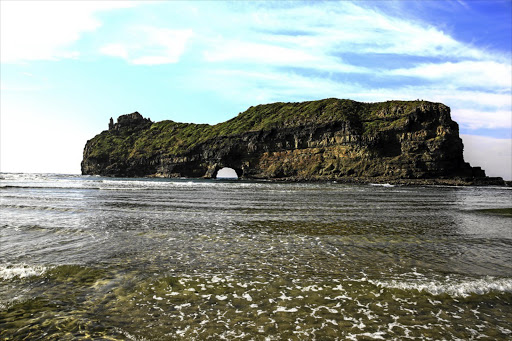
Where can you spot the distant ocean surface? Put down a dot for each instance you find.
(165, 259)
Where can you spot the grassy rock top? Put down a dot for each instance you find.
(175, 138)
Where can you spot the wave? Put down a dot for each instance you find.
(382, 185)
(8, 272)
(37, 176)
(454, 288)
(43, 208)
(42, 186)
(88, 182)
(38, 181)
(61, 181)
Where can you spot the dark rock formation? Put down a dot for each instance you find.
(331, 139)
(130, 121)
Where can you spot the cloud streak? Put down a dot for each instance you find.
(482, 74)
(150, 46)
(44, 30)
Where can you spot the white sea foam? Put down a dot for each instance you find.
(284, 310)
(383, 185)
(95, 182)
(21, 271)
(143, 183)
(374, 336)
(247, 297)
(460, 288)
(313, 287)
(181, 306)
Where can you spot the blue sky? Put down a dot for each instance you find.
(67, 67)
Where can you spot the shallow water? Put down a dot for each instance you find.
(154, 259)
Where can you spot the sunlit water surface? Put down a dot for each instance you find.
(151, 259)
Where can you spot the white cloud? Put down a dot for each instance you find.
(468, 98)
(342, 26)
(477, 119)
(45, 30)
(493, 155)
(265, 86)
(272, 54)
(115, 50)
(258, 53)
(150, 46)
(154, 60)
(489, 74)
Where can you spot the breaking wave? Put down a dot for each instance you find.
(460, 288)
(8, 272)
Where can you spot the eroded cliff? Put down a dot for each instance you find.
(331, 139)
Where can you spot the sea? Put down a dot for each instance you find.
(87, 257)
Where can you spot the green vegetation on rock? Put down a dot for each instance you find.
(178, 138)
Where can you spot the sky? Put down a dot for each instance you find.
(68, 66)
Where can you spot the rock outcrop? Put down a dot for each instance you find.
(331, 139)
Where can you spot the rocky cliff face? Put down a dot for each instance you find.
(330, 139)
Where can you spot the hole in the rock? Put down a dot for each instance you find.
(227, 173)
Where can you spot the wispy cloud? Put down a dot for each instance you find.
(250, 52)
(477, 119)
(44, 30)
(263, 86)
(148, 45)
(463, 4)
(483, 74)
(115, 50)
(338, 27)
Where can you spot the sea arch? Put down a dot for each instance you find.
(227, 173)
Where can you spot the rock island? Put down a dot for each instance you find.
(332, 139)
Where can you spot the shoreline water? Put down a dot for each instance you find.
(486, 181)
(157, 259)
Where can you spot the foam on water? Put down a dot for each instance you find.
(27, 180)
(8, 272)
(21, 180)
(454, 288)
(382, 185)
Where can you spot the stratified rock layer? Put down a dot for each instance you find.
(330, 139)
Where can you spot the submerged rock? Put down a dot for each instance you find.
(331, 139)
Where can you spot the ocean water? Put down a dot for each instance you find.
(154, 259)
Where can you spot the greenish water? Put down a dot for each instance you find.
(499, 211)
(139, 259)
